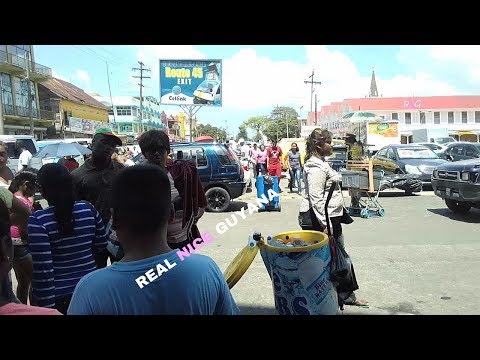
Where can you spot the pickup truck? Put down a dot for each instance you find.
(458, 183)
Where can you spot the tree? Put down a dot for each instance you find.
(219, 135)
(242, 132)
(277, 125)
(257, 124)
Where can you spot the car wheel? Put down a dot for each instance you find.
(459, 207)
(218, 199)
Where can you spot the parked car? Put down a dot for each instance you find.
(461, 150)
(458, 183)
(407, 159)
(220, 170)
(435, 147)
(445, 140)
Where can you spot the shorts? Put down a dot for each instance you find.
(20, 252)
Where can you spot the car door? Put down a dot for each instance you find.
(380, 159)
(457, 152)
(471, 152)
(390, 164)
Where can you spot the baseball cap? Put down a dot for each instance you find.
(106, 131)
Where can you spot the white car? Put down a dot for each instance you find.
(436, 148)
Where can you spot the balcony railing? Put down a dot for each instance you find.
(41, 69)
(13, 59)
(21, 62)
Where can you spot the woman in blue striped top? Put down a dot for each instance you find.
(61, 239)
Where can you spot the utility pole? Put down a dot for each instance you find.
(141, 77)
(29, 95)
(312, 82)
(316, 123)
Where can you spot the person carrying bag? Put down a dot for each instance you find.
(320, 211)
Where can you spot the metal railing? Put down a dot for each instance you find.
(41, 69)
(22, 63)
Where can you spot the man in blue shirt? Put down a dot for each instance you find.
(150, 279)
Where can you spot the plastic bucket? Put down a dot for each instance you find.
(300, 275)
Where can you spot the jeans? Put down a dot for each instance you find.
(295, 174)
(261, 169)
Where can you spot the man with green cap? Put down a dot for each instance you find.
(93, 180)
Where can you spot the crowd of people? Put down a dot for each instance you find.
(104, 211)
(133, 217)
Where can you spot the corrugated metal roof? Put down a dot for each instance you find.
(68, 91)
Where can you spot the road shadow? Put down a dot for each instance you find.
(471, 217)
(256, 310)
(399, 193)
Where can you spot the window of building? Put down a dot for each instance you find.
(464, 117)
(436, 117)
(21, 96)
(422, 118)
(7, 94)
(110, 112)
(477, 117)
(394, 116)
(450, 117)
(126, 128)
(124, 110)
(408, 118)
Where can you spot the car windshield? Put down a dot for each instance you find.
(416, 153)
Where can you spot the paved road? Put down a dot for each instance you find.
(419, 259)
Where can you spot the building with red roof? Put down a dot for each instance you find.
(460, 114)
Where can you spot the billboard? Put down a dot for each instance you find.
(191, 82)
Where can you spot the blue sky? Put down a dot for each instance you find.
(257, 78)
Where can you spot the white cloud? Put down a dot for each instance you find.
(254, 82)
(81, 76)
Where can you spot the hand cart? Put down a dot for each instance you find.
(363, 185)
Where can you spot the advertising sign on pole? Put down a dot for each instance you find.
(191, 82)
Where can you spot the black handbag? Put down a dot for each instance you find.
(346, 218)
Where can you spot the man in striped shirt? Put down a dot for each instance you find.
(61, 238)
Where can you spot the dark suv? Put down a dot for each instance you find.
(219, 168)
(458, 183)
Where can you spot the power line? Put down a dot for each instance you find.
(141, 77)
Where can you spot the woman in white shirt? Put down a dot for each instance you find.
(319, 177)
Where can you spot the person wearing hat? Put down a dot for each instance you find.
(93, 180)
(354, 148)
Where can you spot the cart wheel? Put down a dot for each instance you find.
(364, 213)
(279, 208)
(381, 212)
(368, 215)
